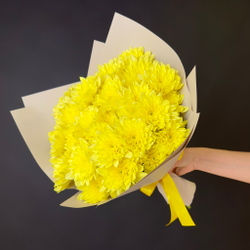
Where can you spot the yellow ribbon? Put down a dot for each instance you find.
(177, 206)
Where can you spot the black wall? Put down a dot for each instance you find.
(45, 44)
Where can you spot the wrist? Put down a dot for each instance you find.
(199, 157)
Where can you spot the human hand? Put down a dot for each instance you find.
(187, 163)
(230, 164)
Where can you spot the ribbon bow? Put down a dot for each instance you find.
(177, 206)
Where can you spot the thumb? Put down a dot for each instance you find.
(179, 164)
(183, 170)
(185, 164)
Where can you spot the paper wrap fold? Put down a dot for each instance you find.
(35, 120)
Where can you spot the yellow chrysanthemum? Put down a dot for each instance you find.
(93, 192)
(120, 178)
(137, 135)
(153, 157)
(109, 95)
(135, 90)
(96, 127)
(116, 126)
(60, 171)
(81, 169)
(107, 117)
(171, 138)
(153, 110)
(57, 140)
(66, 112)
(83, 122)
(162, 79)
(108, 149)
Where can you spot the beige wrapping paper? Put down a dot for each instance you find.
(35, 120)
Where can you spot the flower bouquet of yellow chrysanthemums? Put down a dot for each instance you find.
(120, 129)
(116, 126)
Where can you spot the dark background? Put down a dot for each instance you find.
(45, 44)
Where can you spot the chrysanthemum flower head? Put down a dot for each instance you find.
(110, 94)
(60, 171)
(81, 169)
(109, 148)
(93, 192)
(120, 178)
(57, 140)
(137, 135)
(83, 122)
(152, 109)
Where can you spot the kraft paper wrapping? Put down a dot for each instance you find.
(123, 34)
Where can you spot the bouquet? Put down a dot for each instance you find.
(120, 129)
